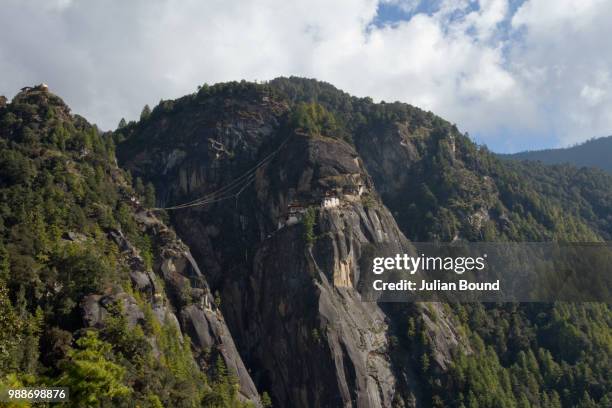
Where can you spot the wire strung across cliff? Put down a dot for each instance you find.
(231, 190)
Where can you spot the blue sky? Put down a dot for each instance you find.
(514, 74)
(390, 12)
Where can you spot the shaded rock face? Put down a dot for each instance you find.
(188, 152)
(402, 157)
(293, 307)
(389, 152)
(331, 349)
(289, 294)
(198, 314)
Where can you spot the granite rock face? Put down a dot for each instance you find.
(282, 241)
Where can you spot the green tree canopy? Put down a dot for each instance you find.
(91, 374)
(146, 112)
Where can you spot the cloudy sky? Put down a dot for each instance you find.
(514, 74)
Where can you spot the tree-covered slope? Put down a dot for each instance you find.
(96, 294)
(441, 185)
(592, 153)
(436, 183)
(99, 293)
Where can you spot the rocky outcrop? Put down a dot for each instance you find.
(95, 308)
(408, 161)
(289, 291)
(193, 302)
(294, 304)
(190, 309)
(389, 152)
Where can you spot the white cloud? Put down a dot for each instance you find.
(565, 62)
(486, 19)
(542, 15)
(109, 59)
(593, 96)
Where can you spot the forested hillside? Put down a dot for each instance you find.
(83, 301)
(438, 185)
(248, 285)
(441, 184)
(592, 153)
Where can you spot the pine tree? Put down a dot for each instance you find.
(425, 362)
(89, 373)
(10, 332)
(266, 401)
(146, 112)
(220, 370)
(4, 263)
(139, 186)
(149, 195)
(309, 221)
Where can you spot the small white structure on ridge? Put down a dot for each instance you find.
(330, 202)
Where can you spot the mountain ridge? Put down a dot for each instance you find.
(99, 281)
(435, 182)
(274, 267)
(592, 153)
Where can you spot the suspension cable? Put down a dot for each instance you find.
(241, 183)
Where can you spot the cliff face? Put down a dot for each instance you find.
(178, 295)
(330, 349)
(199, 316)
(284, 248)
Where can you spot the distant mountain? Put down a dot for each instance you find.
(593, 153)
